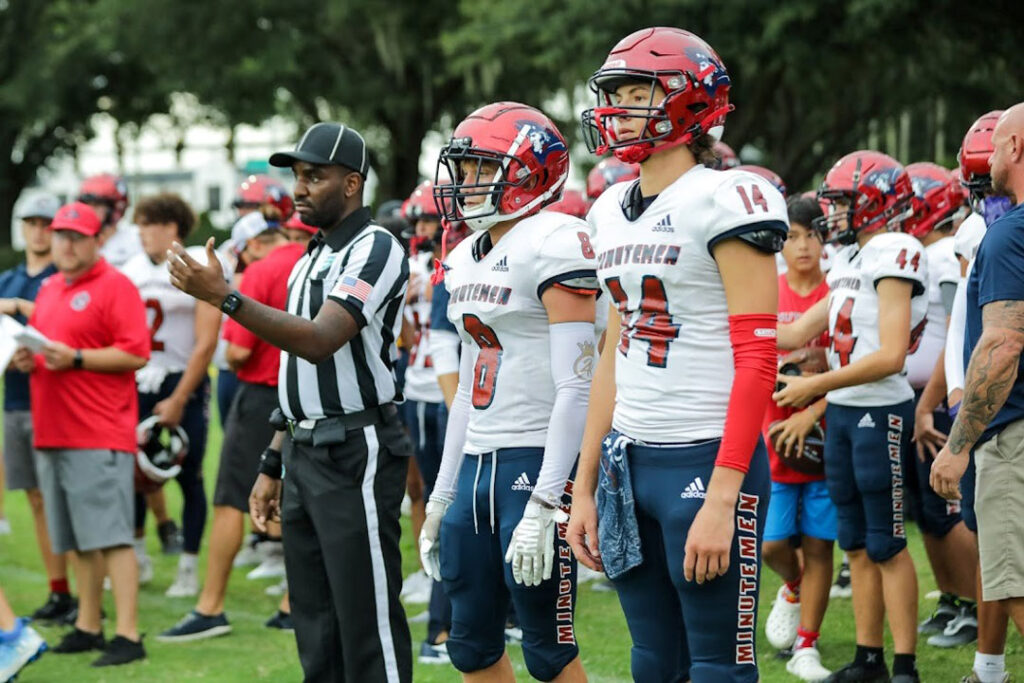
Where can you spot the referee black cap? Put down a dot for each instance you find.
(325, 144)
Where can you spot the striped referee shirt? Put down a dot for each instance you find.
(362, 267)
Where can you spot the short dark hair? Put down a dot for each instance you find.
(166, 207)
(803, 210)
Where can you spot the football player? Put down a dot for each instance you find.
(175, 384)
(799, 504)
(522, 299)
(108, 196)
(608, 172)
(875, 312)
(952, 549)
(687, 255)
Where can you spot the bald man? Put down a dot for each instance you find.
(991, 417)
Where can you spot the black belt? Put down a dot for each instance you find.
(327, 431)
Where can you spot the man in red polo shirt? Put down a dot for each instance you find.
(246, 433)
(84, 408)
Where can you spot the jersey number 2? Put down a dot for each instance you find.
(154, 327)
(488, 361)
(652, 322)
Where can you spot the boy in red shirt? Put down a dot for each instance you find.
(84, 407)
(800, 504)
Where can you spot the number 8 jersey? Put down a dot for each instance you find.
(495, 304)
(674, 365)
(853, 311)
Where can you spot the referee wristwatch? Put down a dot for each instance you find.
(232, 302)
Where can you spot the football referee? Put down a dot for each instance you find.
(343, 446)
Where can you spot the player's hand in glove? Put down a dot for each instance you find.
(531, 552)
(430, 537)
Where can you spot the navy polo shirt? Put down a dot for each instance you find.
(16, 283)
(998, 275)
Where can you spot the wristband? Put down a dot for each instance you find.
(270, 463)
(79, 361)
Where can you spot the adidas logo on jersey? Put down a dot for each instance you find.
(664, 225)
(502, 265)
(522, 483)
(866, 422)
(695, 489)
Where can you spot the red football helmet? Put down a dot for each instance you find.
(296, 223)
(875, 190)
(608, 172)
(691, 76)
(532, 159)
(975, 151)
(769, 175)
(257, 190)
(726, 157)
(957, 188)
(935, 200)
(572, 203)
(108, 189)
(161, 450)
(421, 205)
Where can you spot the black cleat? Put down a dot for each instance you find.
(120, 650)
(860, 673)
(57, 606)
(79, 641)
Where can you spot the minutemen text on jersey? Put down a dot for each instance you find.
(674, 365)
(495, 304)
(853, 312)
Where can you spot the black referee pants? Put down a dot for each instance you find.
(340, 519)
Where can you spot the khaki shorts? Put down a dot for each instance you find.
(999, 504)
(89, 498)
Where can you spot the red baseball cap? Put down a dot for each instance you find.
(79, 217)
(295, 223)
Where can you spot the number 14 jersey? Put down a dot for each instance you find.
(495, 305)
(674, 365)
(853, 312)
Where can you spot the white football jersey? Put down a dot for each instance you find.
(853, 311)
(968, 236)
(169, 311)
(495, 304)
(122, 246)
(943, 269)
(674, 364)
(420, 378)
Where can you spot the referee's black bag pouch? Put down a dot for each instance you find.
(330, 431)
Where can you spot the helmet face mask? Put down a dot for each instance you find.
(687, 90)
(506, 160)
(161, 450)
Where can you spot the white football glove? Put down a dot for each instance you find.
(430, 537)
(531, 552)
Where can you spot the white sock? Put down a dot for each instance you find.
(990, 668)
(140, 547)
(187, 562)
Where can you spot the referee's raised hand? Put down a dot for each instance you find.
(204, 282)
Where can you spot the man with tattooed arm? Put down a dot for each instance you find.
(991, 417)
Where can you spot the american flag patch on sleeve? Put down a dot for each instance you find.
(353, 286)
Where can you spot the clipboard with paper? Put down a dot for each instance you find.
(20, 335)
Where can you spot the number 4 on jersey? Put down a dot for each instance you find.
(652, 323)
(915, 261)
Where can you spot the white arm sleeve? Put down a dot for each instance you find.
(954, 359)
(444, 351)
(573, 355)
(455, 434)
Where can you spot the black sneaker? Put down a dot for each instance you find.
(56, 608)
(196, 626)
(906, 678)
(71, 616)
(860, 673)
(120, 650)
(171, 542)
(79, 641)
(944, 612)
(281, 620)
(842, 588)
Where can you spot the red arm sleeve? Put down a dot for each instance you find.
(754, 352)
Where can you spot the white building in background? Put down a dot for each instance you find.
(204, 175)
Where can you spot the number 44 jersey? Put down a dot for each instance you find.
(674, 365)
(853, 311)
(495, 304)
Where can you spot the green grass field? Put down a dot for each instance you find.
(253, 652)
